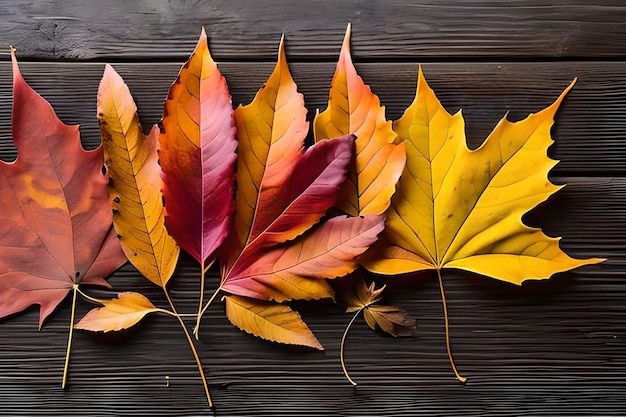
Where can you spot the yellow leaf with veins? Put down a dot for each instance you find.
(135, 183)
(461, 208)
(270, 321)
(117, 314)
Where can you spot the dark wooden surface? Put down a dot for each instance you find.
(543, 349)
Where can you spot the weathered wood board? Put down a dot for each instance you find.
(543, 349)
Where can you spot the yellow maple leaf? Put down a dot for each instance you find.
(461, 208)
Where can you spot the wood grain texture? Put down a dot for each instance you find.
(549, 348)
(241, 29)
(590, 130)
(553, 348)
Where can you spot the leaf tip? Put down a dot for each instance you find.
(16, 68)
(281, 46)
(282, 56)
(203, 45)
(346, 38)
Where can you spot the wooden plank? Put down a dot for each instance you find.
(553, 348)
(240, 29)
(589, 133)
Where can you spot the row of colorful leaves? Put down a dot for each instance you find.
(277, 250)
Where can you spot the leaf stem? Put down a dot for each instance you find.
(88, 297)
(69, 338)
(201, 312)
(192, 346)
(201, 302)
(445, 318)
(343, 342)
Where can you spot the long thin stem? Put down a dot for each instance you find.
(69, 338)
(192, 346)
(201, 302)
(445, 318)
(196, 329)
(343, 343)
(88, 297)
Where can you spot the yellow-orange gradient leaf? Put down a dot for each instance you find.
(135, 182)
(461, 208)
(271, 132)
(380, 154)
(118, 313)
(270, 321)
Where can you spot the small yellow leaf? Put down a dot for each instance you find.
(117, 314)
(135, 182)
(379, 153)
(270, 321)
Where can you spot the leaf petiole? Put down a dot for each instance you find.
(201, 302)
(343, 342)
(192, 346)
(201, 312)
(69, 339)
(88, 297)
(445, 318)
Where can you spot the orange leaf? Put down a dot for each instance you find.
(271, 132)
(270, 321)
(275, 251)
(282, 193)
(119, 313)
(380, 154)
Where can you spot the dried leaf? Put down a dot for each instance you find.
(390, 319)
(197, 155)
(118, 313)
(55, 217)
(134, 185)
(380, 154)
(270, 321)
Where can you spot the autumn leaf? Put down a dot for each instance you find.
(271, 321)
(390, 319)
(118, 313)
(134, 182)
(271, 132)
(296, 270)
(55, 217)
(277, 249)
(360, 297)
(380, 154)
(197, 155)
(461, 208)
